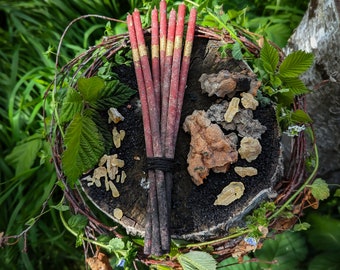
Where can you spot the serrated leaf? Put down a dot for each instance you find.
(84, 146)
(114, 94)
(300, 116)
(288, 249)
(320, 189)
(197, 260)
(295, 85)
(116, 243)
(301, 226)
(270, 57)
(77, 222)
(72, 105)
(24, 154)
(90, 88)
(295, 64)
(236, 51)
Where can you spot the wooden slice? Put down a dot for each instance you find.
(193, 215)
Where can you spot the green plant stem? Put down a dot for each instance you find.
(212, 242)
(76, 235)
(309, 179)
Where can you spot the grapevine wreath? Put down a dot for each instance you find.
(172, 134)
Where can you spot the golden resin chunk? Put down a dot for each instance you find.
(233, 108)
(245, 171)
(230, 193)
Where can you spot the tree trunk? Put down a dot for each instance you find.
(319, 33)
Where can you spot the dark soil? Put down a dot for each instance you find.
(192, 206)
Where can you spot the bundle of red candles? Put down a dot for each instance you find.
(161, 90)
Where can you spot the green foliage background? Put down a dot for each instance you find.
(30, 32)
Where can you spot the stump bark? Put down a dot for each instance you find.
(193, 213)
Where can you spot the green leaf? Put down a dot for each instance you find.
(116, 243)
(295, 85)
(270, 57)
(114, 94)
(320, 189)
(325, 260)
(300, 116)
(337, 192)
(72, 105)
(89, 88)
(301, 226)
(324, 234)
(77, 222)
(295, 64)
(61, 207)
(237, 51)
(197, 260)
(25, 153)
(84, 146)
(233, 264)
(288, 249)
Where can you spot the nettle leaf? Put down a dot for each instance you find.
(295, 85)
(288, 249)
(77, 222)
(114, 94)
(320, 189)
(197, 260)
(300, 116)
(72, 105)
(295, 64)
(270, 57)
(84, 146)
(89, 88)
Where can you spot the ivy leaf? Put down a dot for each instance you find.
(320, 189)
(197, 260)
(300, 116)
(89, 88)
(270, 57)
(288, 249)
(295, 64)
(72, 104)
(84, 146)
(114, 94)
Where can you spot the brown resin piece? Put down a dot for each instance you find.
(226, 83)
(209, 147)
(250, 149)
(245, 171)
(230, 193)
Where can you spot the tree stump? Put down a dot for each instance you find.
(193, 214)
